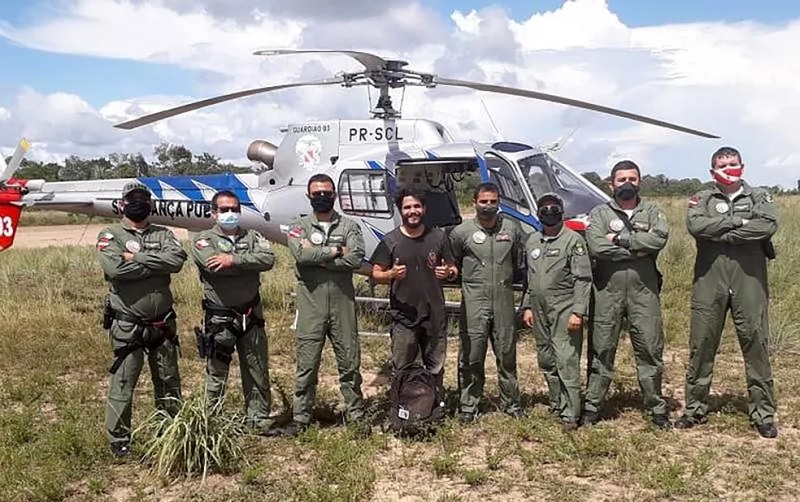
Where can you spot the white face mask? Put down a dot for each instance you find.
(229, 220)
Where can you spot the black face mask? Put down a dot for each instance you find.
(550, 216)
(487, 211)
(628, 191)
(137, 210)
(321, 204)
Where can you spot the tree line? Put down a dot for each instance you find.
(174, 160)
(168, 160)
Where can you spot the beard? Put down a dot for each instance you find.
(407, 221)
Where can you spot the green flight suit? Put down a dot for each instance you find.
(235, 315)
(326, 307)
(140, 291)
(487, 259)
(626, 284)
(559, 285)
(731, 272)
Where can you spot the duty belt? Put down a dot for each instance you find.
(153, 334)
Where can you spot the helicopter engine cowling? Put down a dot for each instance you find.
(262, 151)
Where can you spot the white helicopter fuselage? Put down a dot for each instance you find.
(368, 160)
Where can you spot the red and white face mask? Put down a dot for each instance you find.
(729, 174)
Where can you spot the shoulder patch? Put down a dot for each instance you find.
(296, 232)
(693, 201)
(579, 249)
(768, 198)
(202, 244)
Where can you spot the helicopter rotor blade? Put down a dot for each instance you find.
(569, 101)
(370, 61)
(155, 117)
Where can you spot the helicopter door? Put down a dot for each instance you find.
(516, 199)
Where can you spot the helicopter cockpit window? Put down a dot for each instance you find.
(365, 192)
(535, 170)
(545, 174)
(511, 192)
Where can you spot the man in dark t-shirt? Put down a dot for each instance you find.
(413, 260)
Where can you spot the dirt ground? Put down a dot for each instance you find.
(65, 235)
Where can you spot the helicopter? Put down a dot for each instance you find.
(369, 160)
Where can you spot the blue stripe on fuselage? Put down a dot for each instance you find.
(186, 186)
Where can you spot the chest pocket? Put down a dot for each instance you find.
(743, 208)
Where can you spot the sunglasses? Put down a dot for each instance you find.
(549, 210)
(322, 193)
(236, 209)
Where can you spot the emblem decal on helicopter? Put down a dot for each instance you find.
(722, 207)
(133, 246)
(479, 237)
(316, 238)
(308, 149)
(616, 225)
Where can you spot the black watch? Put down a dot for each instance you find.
(339, 251)
(615, 240)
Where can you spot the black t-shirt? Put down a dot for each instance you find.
(419, 296)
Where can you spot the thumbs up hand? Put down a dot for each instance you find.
(442, 271)
(397, 271)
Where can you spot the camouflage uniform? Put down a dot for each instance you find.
(234, 316)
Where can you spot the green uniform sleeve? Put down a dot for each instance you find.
(526, 296)
(259, 257)
(457, 246)
(763, 224)
(169, 260)
(354, 242)
(114, 266)
(202, 249)
(581, 269)
(599, 246)
(704, 226)
(312, 255)
(655, 238)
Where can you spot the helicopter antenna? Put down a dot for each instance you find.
(497, 133)
(560, 142)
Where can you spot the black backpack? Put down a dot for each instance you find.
(414, 407)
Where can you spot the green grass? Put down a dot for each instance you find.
(33, 217)
(54, 358)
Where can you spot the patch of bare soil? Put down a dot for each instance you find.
(66, 235)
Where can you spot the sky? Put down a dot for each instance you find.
(70, 69)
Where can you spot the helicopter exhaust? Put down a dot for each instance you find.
(262, 151)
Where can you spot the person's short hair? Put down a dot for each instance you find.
(725, 151)
(406, 192)
(625, 165)
(319, 178)
(485, 187)
(223, 193)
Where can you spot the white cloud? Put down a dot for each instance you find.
(736, 80)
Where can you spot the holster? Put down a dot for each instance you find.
(239, 320)
(769, 249)
(108, 313)
(151, 335)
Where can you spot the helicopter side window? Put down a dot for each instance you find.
(533, 168)
(365, 192)
(511, 193)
